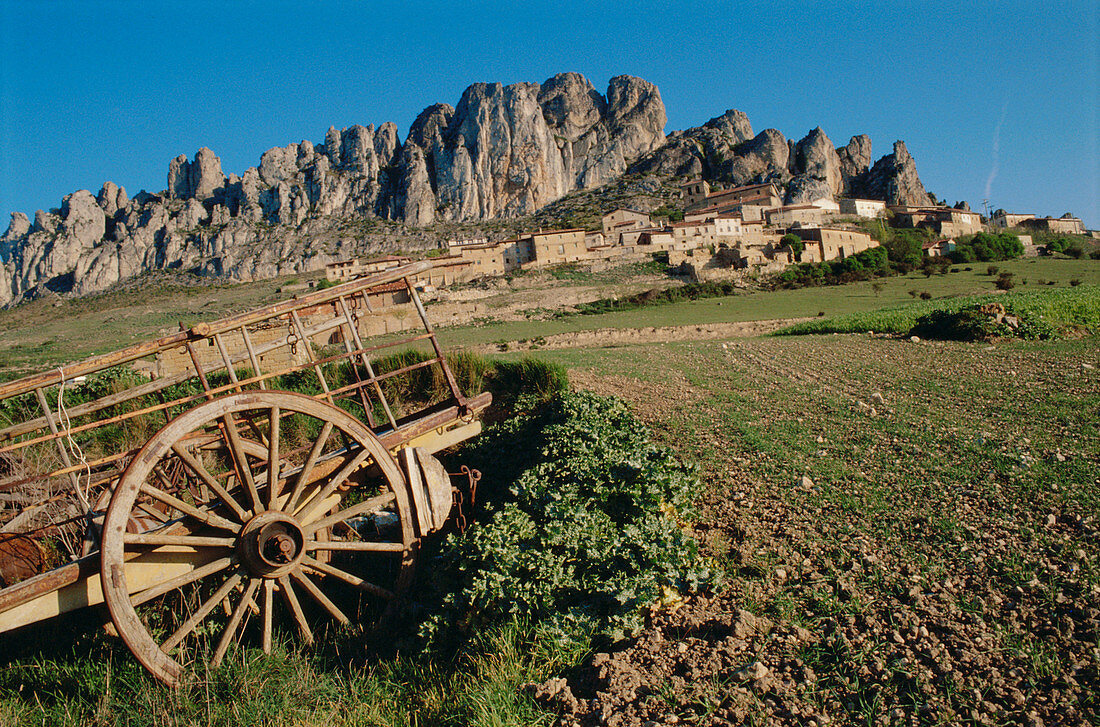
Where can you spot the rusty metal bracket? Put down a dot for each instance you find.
(463, 497)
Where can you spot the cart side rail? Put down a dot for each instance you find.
(95, 364)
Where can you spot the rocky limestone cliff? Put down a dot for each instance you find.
(504, 151)
(893, 179)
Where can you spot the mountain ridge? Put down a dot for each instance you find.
(502, 152)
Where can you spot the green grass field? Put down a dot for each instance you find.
(799, 303)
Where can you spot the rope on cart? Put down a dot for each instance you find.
(74, 448)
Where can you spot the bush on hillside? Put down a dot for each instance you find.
(794, 242)
(979, 322)
(861, 266)
(987, 247)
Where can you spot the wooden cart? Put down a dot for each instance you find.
(206, 504)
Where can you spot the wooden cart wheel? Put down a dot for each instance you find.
(211, 555)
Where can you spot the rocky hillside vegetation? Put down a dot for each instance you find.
(503, 152)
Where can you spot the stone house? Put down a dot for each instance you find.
(487, 258)
(833, 243)
(1005, 220)
(345, 270)
(690, 235)
(554, 247)
(614, 223)
(870, 208)
(698, 193)
(656, 238)
(938, 248)
(694, 191)
(594, 239)
(945, 221)
(799, 215)
(1067, 224)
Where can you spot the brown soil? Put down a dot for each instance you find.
(936, 647)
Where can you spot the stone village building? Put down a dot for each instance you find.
(736, 228)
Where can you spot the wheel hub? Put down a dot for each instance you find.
(272, 544)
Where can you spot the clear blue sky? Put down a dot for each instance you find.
(995, 100)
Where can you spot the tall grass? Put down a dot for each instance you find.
(515, 385)
(99, 683)
(1063, 309)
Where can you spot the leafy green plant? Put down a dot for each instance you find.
(794, 242)
(585, 527)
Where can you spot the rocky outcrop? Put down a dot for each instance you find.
(893, 179)
(503, 151)
(198, 179)
(855, 159)
(815, 169)
(761, 159)
(700, 151)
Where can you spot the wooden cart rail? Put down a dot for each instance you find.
(95, 364)
(334, 312)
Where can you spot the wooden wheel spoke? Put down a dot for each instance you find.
(335, 481)
(230, 632)
(208, 605)
(199, 485)
(364, 546)
(349, 578)
(373, 504)
(212, 482)
(268, 613)
(192, 541)
(152, 512)
(209, 518)
(311, 588)
(303, 476)
(240, 459)
(273, 457)
(295, 608)
(181, 580)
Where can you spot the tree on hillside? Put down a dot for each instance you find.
(794, 242)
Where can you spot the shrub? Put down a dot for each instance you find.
(913, 293)
(987, 247)
(926, 295)
(991, 270)
(1005, 282)
(584, 530)
(1077, 252)
(979, 322)
(1095, 254)
(1075, 282)
(794, 242)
